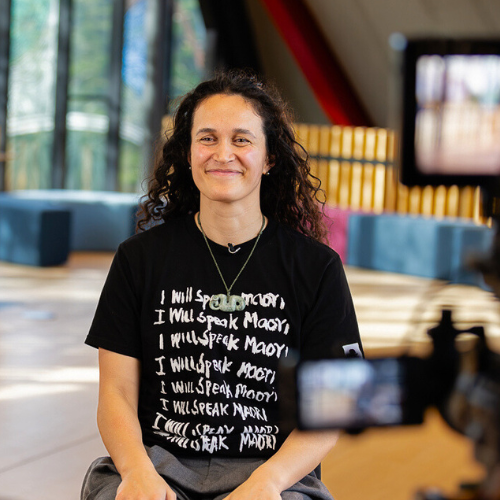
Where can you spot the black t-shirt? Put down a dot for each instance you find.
(209, 378)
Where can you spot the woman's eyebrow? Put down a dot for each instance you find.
(243, 131)
(209, 130)
(205, 130)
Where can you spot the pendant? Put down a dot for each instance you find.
(227, 303)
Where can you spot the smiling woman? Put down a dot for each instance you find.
(198, 312)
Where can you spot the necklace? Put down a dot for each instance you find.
(228, 302)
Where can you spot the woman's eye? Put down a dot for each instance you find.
(207, 139)
(241, 140)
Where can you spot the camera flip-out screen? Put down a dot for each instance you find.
(350, 393)
(451, 112)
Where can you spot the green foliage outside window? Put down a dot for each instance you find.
(32, 83)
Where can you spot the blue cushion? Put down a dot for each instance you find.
(360, 239)
(418, 246)
(33, 232)
(100, 220)
(470, 242)
(413, 245)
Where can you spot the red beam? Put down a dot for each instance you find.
(321, 68)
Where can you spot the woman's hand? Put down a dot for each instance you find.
(143, 485)
(257, 486)
(298, 456)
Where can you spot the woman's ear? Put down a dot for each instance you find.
(269, 164)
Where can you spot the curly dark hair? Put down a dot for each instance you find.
(290, 194)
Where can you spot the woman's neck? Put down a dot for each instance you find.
(225, 225)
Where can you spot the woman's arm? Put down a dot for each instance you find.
(119, 379)
(300, 454)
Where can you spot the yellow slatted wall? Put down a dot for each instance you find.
(356, 169)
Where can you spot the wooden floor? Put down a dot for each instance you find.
(48, 384)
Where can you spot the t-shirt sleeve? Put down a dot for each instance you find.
(330, 328)
(116, 324)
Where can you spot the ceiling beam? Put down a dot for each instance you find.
(321, 68)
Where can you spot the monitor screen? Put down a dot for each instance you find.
(451, 112)
(350, 393)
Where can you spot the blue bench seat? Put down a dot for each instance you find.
(35, 233)
(100, 220)
(427, 247)
(41, 227)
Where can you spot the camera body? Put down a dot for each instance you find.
(353, 393)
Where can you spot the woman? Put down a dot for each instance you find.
(197, 311)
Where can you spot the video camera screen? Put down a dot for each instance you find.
(451, 112)
(350, 394)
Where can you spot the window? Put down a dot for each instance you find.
(31, 96)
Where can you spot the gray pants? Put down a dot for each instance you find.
(195, 478)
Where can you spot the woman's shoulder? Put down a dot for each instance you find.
(157, 236)
(301, 240)
(305, 247)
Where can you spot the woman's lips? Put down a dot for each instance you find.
(223, 172)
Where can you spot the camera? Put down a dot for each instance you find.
(353, 393)
(449, 135)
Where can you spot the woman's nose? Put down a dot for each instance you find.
(224, 152)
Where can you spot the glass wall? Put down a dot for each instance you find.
(135, 53)
(87, 118)
(31, 98)
(189, 40)
(31, 92)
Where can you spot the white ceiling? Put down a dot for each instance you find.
(358, 32)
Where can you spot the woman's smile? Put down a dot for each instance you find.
(223, 172)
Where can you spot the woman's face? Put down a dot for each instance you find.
(228, 153)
